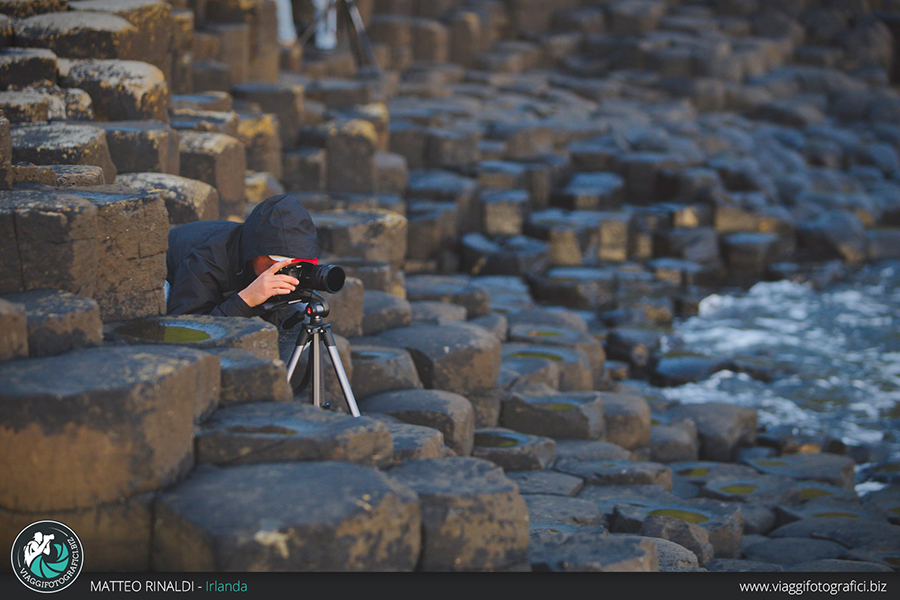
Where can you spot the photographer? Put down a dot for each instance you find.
(228, 269)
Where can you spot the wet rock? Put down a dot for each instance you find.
(220, 161)
(78, 34)
(265, 432)
(722, 428)
(634, 346)
(458, 357)
(199, 331)
(513, 451)
(187, 200)
(722, 521)
(691, 536)
(375, 234)
(834, 234)
(674, 442)
(611, 472)
(792, 551)
(62, 143)
(447, 412)
(380, 369)
(473, 517)
(573, 365)
(140, 445)
(303, 517)
(585, 552)
(627, 420)
(546, 483)
(678, 370)
(30, 219)
(249, 378)
(829, 468)
(576, 415)
(58, 321)
(549, 510)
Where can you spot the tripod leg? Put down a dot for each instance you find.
(362, 36)
(341, 373)
(318, 385)
(302, 341)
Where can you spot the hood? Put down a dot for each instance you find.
(279, 225)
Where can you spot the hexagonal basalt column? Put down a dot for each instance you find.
(220, 161)
(249, 378)
(187, 200)
(133, 236)
(317, 516)
(30, 221)
(283, 431)
(575, 372)
(473, 297)
(617, 472)
(449, 413)
(379, 369)
(13, 331)
(120, 90)
(473, 518)
(576, 415)
(513, 451)
(457, 357)
(59, 321)
(201, 332)
(558, 336)
(62, 143)
(375, 234)
(128, 413)
(79, 34)
(383, 310)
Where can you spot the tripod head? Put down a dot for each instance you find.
(317, 308)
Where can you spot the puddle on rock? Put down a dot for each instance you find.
(836, 513)
(739, 488)
(163, 332)
(556, 406)
(685, 515)
(263, 429)
(495, 440)
(695, 472)
(810, 493)
(536, 354)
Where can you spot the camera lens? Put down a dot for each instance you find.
(330, 278)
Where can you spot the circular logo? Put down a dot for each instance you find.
(47, 556)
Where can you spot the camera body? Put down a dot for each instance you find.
(323, 278)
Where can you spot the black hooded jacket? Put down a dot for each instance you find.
(209, 262)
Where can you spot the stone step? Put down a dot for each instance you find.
(198, 331)
(378, 235)
(29, 220)
(62, 143)
(473, 518)
(413, 441)
(139, 146)
(14, 337)
(383, 311)
(188, 119)
(265, 432)
(449, 413)
(220, 161)
(314, 516)
(24, 66)
(379, 369)
(120, 90)
(59, 321)
(248, 378)
(513, 451)
(139, 445)
(79, 34)
(571, 415)
(457, 357)
(187, 200)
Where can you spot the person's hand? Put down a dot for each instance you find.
(269, 284)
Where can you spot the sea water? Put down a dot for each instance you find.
(833, 356)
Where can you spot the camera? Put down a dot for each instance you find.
(323, 278)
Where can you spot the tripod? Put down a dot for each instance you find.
(314, 332)
(362, 45)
